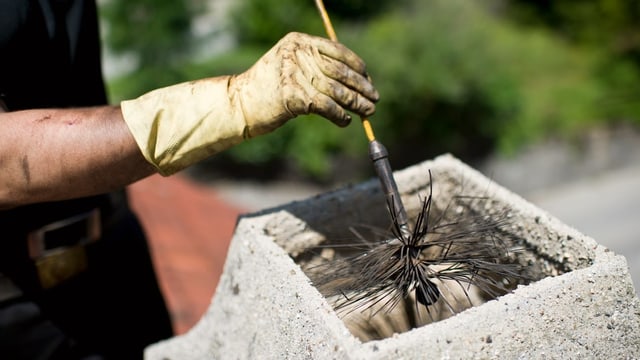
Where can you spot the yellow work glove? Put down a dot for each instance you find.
(181, 124)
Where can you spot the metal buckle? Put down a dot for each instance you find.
(8, 290)
(58, 249)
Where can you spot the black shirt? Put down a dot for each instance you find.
(37, 68)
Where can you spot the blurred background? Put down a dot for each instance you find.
(543, 96)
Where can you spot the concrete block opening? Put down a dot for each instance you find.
(468, 217)
(574, 297)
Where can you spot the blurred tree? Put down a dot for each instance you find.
(614, 24)
(266, 21)
(610, 28)
(456, 76)
(312, 144)
(158, 34)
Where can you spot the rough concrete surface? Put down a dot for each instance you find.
(590, 184)
(265, 306)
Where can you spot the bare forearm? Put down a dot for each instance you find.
(55, 154)
(59, 154)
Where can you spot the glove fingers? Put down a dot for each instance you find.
(340, 53)
(325, 106)
(342, 85)
(340, 63)
(305, 74)
(344, 96)
(313, 100)
(347, 76)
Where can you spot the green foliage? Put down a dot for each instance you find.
(454, 75)
(430, 63)
(265, 22)
(604, 39)
(143, 80)
(156, 29)
(614, 24)
(309, 141)
(157, 33)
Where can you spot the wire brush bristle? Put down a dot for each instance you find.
(449, 261)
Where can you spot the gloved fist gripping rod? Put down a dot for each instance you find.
(181, 124)
(377, 152)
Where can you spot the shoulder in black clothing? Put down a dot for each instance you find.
(35, 71)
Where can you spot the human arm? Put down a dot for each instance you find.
(301, 74)
(57, 154)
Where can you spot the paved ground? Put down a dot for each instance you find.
(189, 227)
(605, 207)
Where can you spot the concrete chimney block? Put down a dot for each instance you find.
(265, 307)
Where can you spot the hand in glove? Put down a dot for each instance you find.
(303, 74)
(179, 125)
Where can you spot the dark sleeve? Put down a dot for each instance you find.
(12, 14)
(30, 75)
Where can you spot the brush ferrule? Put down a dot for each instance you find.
(380, 158)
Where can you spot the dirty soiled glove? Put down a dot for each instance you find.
(181, 124)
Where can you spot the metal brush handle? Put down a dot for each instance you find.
(380, 158)
(377, 152)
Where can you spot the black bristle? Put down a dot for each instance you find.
(424, 266)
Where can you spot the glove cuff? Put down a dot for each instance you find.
(179, 125)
